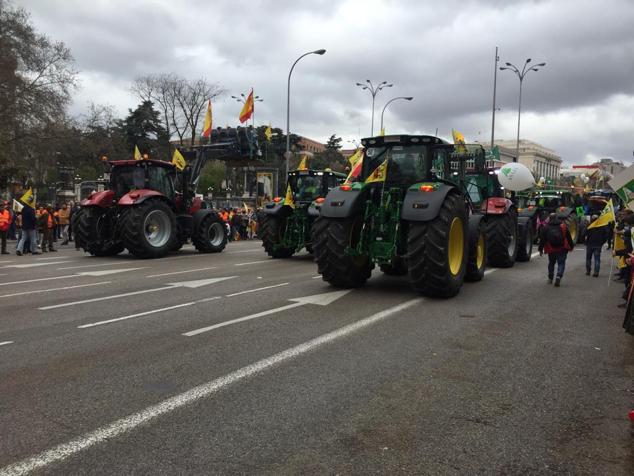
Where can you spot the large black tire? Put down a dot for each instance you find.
(271, 231)
(502, 239)
(437, 250)
(148, 229)
(210, 235)
(476, 264)
(94, 232)
(525, 243)
(330, 238)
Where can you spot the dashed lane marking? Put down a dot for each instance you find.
(256, 262)
(206, 390)
(52, 278)
(54, 289)
(317, 277)
(105, 298)
(97, 265)
(34, 265)
(6, 342)
(257, 289)
(180, 272)
(53, 257)
(259, 250)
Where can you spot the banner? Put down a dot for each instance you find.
(623, 185)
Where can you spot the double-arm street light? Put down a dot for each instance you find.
(243, 99)
(288, 106)
(406, 98)
(521, 74)
(373, 91)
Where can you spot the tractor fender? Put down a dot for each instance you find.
(344, 203)
(497, 206)
(200, 215)
(313, 210)
(277, 208)
(139, 196)
(103, 199)
(424, 206)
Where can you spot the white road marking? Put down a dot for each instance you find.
(187, 284)
(257, 289)
(9, 261)
(317, 277)
(34, 265)
(52, 278)
(319, 299)
(105, 272)
(259, 250)
(197, 255)
(54, 289)
(54, 257)
(116, 263)
(139, 314)
(490, 270)
(206, 390)
(105, 298)
(6, 342)
(255, 262)
(180, 272)
(535, 254)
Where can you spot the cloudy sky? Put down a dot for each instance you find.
(580, 104)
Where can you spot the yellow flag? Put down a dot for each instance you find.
(178, 160)
(379, 173)
(268, 133)
(303, 165)
(458, 139)
(606, 217)
(354, 158)
(28, 198)
(137, 153)
(246, 207)
(288, 200)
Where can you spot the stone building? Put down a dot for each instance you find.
(542, 161)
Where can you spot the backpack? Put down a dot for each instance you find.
(555, 236)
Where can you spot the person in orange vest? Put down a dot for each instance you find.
(46, 224)
(63, 217)
(5, 221)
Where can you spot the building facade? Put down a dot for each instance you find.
(542, 161)
(309, 145)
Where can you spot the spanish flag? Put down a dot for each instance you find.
(379, 173)
(208, 121)
(303, 165)
(247, 109)
(137, 153)
(28, 198)
(288, 200)
(354, 158)
(606, 217)
(178, 160)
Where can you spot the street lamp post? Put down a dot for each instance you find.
(520, 75)
(288, 106)
(406, 98)
(373, 91)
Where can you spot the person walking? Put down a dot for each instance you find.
(63, 215)
(594, 239)
(29, 223)
(5, 222)
(556, 242)
(46, 224)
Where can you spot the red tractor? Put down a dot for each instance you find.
(151, 208)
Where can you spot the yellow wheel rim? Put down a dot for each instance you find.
(456, 246)
(573, 231)
(480, 251)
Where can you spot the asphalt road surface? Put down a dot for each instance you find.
(236, 363)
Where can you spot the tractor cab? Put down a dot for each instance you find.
(128, 176)
(308, 185)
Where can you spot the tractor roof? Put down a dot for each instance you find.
(159, 163)
(402, 139)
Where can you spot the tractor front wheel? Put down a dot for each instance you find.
(94, 231)
(148, 229)
(437, 250)
(525, 246)
(477, 252)
(502, 239)
(330, 238)
(210, 236)
(271, 230)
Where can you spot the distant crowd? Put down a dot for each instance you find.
(241, 223)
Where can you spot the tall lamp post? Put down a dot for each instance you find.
(521, 74)
(242, 99)
(406, 98)
(373, 91)
(288, 106)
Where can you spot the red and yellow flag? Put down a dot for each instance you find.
(247, 109)
(379, 173)
(208, 121)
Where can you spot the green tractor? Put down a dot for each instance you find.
(284, 225)
(407, 212)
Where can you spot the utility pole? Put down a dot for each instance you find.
(495, 77)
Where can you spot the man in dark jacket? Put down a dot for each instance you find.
(594, 240)
(28, 231)
(555, 241)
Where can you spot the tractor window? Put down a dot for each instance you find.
(307, 187)
(474, 191)
(161, 180)
(406, 163)
(125, 179)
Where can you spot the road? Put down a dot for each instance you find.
(236, 363)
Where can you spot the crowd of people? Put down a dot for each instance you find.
(36, 230)
(241, 223)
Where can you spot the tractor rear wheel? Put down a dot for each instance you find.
(148, 228)
(502, 239)
(525, 245)
(94, 231)
(271, 230)
(210, 236)
(330, 238)
(437, 250)
(477, 252)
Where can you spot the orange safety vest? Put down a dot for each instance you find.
(5, 220)
(51, 221)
